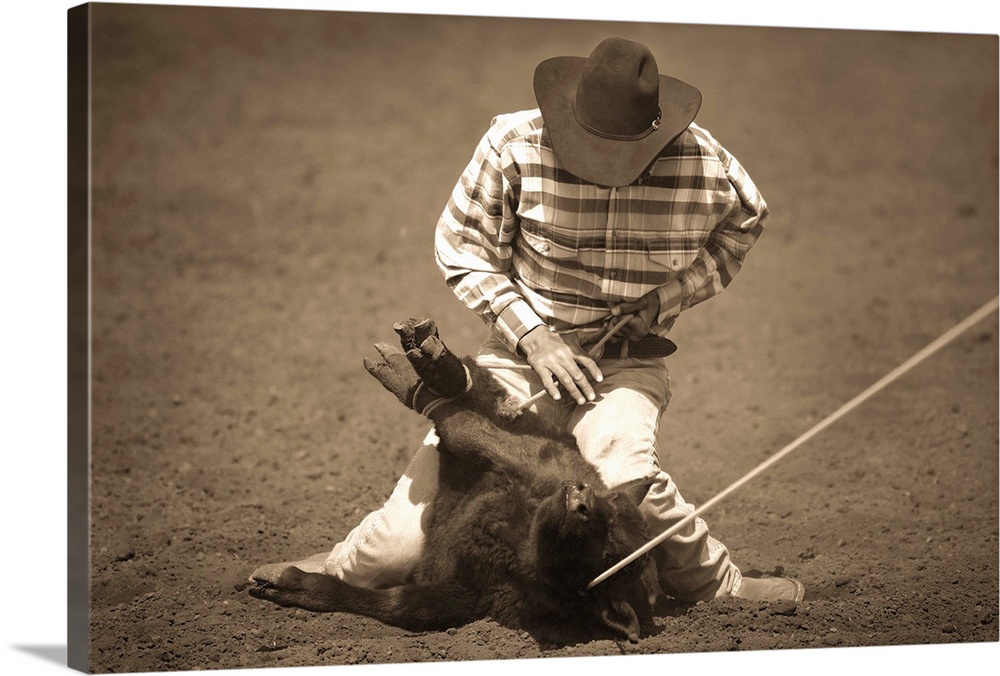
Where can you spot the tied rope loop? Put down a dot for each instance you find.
(440, 401)
(416, 393)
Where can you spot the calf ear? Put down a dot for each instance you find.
(620, 618)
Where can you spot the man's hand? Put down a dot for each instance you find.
(644, 310)
(557, 361)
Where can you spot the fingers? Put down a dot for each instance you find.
(636, 329)
(644, 309)
(643, 313)
(592, 367)
(576, 385)
(557, 362)
(623, 309)
(574, 380)
(550, 384)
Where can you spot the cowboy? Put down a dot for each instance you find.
(605, 204)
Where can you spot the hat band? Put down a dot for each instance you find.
(654, 125)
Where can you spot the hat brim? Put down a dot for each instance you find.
(596, 159)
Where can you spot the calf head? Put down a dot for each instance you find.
(579, 532)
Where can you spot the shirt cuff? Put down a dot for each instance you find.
(670, 295)
(516, 320)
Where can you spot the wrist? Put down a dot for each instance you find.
(515, 321)
(537, 339)
(530, 340)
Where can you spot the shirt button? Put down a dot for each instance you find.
(613, 275)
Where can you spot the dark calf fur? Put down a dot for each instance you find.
(519, 526)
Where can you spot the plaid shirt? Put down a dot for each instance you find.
(523, 243)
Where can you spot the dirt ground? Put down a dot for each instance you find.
(265, 188)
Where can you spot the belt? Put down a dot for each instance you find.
(648, 347)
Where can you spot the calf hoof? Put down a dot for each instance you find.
(283, 589)
(270, 572)
(440, 370)
(413, 332)
(297, 589)
(394, 372)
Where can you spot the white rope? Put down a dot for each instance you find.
(440, 401)
(933, 347)
(429, 408)
(416, 394)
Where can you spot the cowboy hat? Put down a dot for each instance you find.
(611, 114)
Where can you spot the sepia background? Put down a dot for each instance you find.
(265, 186)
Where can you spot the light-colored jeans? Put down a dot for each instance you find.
(617, 433)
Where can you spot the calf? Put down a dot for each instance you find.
(520, 524)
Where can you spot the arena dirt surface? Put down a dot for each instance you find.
(265, 189)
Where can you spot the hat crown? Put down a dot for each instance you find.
(609, 115)
(619, 88)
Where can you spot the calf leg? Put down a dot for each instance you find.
(446, 375)
(440, 370)
(413, 607)
(444, 372)
(429, 371)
